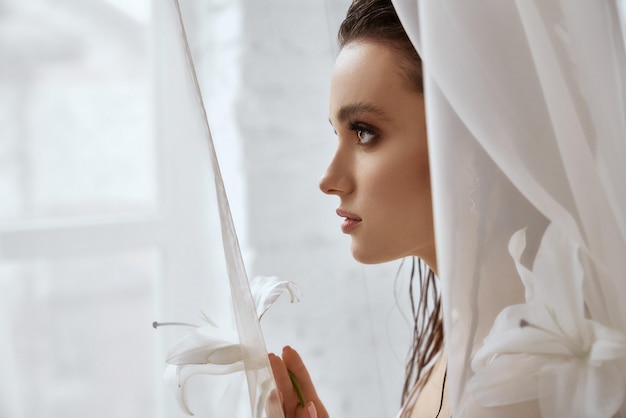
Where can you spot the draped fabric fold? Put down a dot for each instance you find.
(253, 354)
(527, 130)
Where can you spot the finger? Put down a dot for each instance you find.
(310, 411)
(274, 405)
(294, 363)
(284, 385)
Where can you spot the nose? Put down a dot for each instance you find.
(337, 179)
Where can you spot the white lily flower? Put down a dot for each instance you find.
(211, 350)
(546, 349)
(266, 290)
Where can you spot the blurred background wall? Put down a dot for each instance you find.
(107, 221)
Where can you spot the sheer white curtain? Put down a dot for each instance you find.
(107, 213)
(527, 132)
(107, 220)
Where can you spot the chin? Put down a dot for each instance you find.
(369, 257)
(367, 254)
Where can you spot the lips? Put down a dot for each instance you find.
(350, 222)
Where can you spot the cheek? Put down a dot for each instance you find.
(399, 182)
(379, 181)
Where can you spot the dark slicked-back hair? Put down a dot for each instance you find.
(377, 21)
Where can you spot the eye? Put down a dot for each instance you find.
(365, 135)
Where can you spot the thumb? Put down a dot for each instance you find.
(310, 411)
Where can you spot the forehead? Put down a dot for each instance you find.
(366, 61)
(366, 72)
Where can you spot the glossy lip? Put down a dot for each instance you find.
(351, 220)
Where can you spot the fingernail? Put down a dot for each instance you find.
(312, 410)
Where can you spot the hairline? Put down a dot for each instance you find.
(404, 63)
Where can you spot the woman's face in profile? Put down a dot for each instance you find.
(380, 168)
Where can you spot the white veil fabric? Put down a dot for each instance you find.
(210, 350)
(527, 143)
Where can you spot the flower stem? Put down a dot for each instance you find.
(297, 387)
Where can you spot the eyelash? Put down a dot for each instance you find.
(360, 129)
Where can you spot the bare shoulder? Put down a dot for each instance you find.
(430, 399)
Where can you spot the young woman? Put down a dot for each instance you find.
(526, 130)
(380, 173)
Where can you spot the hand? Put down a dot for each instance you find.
(292, 407)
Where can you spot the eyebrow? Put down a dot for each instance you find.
(347, 111)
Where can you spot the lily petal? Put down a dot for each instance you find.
(206, 345)
(507, 337)
(507, 380)
(558, 282)
(609, 344)
(579, 391)
(517, 245)
(176, 378)
(172, 379)
(266, 290)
